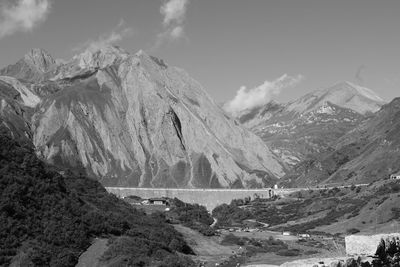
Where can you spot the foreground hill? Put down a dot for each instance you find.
(368, 153)
(49, 220)
(131, 120)
(310, 124)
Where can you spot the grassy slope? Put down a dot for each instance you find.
(371, 208)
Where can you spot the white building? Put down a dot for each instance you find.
(395, 176)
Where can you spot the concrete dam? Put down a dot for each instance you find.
(210, 198)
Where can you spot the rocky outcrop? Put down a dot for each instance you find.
(132, 120)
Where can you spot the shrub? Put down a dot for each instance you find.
(193, 216)
(231, 239)
(352, 231)
(396, 213)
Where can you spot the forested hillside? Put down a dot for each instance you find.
(48, 220)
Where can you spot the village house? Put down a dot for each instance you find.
(156, 201)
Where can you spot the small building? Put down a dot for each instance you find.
(304, 236)
(158, 201)
(286, 233)
(395, 176)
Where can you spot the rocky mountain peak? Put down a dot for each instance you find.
(33, 67)
(343, 94)
(355, 89)
(40, 59)
(100, 57)
(131, 120)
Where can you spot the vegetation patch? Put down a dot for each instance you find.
(49, 220)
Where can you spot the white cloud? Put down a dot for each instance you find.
(174, 12)
(111, 38)
(177, 32)
(260, 95)
(22, 15)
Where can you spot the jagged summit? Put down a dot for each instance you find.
(100, 57)
(33, 67)
(40, 59)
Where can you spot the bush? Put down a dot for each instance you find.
(193, 216)
(231, 239)
(396, 213)
(352, 231)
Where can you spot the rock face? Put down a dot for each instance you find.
(34, 66)
(132, 120)
(14, 115)
(369, 152)
(312, 123)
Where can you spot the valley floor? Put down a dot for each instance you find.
(210, 251)
(207, 249)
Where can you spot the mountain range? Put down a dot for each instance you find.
(310, 124)
(367, 153)
(130, 120)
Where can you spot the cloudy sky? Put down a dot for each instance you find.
(253, 49)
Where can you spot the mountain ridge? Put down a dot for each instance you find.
(311, 123)
(344, 94)
(369, 152)
(132, 120)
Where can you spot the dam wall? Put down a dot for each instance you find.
(210, 198)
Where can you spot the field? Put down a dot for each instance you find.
(207, 249)
(335, 211)
(91, 257)
(211, 251)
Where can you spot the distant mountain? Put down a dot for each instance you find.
(130, 120)
(345, 95)
(310, 124)
(367, 153)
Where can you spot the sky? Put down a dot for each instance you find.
(242, 52)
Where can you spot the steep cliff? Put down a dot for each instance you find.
(132, 120)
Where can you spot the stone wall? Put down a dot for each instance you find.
(365, 244)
